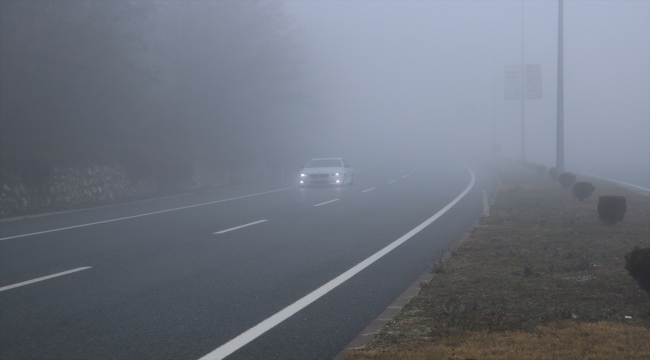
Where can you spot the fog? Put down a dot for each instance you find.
(428, 76)
(158, 85)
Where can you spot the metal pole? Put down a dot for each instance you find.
(522, 92)
(486, 204)
(494, 108)
(559, 166)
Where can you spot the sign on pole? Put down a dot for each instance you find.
(512, 82)
(534, 81)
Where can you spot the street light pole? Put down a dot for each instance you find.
(559, 166)
(523, 91)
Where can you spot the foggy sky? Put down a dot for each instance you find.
(427, 76)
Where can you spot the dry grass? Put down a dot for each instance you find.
(541, 264)
(576, 341)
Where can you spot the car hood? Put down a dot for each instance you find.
(322, 170)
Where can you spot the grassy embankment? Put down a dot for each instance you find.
(541, 278)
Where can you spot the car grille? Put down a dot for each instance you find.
(319, 176)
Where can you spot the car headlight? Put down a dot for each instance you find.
(335, 174)
(303, 174)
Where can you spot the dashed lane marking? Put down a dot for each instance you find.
(240, 226)
(326, 202)
(43, 278)
(253, 333)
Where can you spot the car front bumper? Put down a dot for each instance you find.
(331, 180)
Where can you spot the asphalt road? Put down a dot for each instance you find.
(167, 281)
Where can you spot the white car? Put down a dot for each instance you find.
(327, 171)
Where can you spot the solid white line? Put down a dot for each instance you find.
(259, 329)
(632, 185)
(147, 214)
(240, 226)
(327, 202)
(43, 278)
(366, 190)
(390, 182)
(616, 181)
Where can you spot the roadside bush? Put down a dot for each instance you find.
(566, 179)
(582, 190)
(532, 167)
(541, 169)
(552, 173)
(437, 268)
(611, 209)
(637, 263)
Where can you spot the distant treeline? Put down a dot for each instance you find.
(153, 85)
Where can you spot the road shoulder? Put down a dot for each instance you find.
(540, 269)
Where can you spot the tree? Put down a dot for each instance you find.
(237, 64)
(69, 75)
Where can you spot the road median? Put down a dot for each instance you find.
(542, 277)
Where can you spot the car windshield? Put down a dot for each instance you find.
(316, 163)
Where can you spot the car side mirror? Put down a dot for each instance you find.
(302, 166)
(348, 166)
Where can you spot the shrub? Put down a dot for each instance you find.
(611, 209)
(437, 268)
(541, 169)
(552, 173)
(566, 179)
(637, 263)
(532, 167)
(582, 190)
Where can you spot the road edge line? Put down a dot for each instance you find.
(146, 214)
(631, 187)
(369, 332)
(269, 323)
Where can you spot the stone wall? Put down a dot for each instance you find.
(67, 187)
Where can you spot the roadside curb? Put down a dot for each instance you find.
(396, 306)
(369, 333)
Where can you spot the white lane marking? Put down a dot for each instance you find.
(240, 226)
(366, 190)
(405, 175)
(147, 214)
(326, 202)
(616, 181)
(266, 325)
(43, 278)
(32, 216)
(390, 182)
